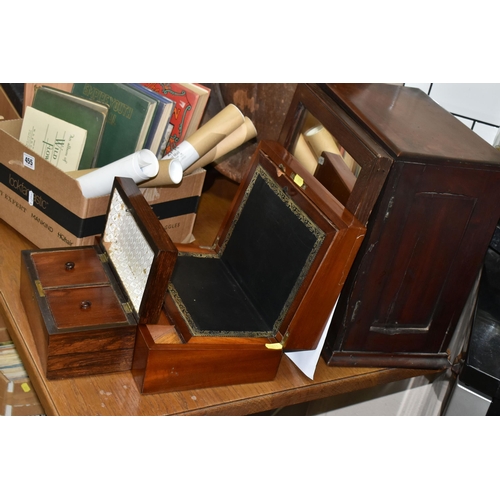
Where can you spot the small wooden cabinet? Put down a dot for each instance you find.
(428, 191)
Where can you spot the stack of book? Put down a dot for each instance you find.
(190, 103)
(91, 125)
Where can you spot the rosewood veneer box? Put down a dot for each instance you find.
(84, 303)
(268, 284)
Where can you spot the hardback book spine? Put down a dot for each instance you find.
(185, 102)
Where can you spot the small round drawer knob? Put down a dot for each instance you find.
(69, 266)
(85, 305)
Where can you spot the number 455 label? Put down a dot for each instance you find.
(29, 161)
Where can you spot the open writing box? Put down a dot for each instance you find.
(268, 283)
(84, 303)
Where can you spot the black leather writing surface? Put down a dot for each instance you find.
(269, 248)
(212, 300)
(248, 288)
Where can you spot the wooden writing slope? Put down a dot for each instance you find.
(268, 284)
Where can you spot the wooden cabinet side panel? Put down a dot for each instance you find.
(420, 259)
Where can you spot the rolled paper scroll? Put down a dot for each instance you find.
(139, 166)
(319, 140)
(235, 139)
(199, 143)
(304, 154)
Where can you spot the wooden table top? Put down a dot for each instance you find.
(117, 393)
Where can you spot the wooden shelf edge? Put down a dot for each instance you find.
(309, 393)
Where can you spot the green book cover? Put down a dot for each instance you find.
(129, 118)
(83, 113)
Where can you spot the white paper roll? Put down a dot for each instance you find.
(185, 153)
(139, 166)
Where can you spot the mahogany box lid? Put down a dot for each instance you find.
(410, 124)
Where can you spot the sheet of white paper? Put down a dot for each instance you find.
(307, 361)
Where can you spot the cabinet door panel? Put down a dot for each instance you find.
(423, 258)
(420, 260)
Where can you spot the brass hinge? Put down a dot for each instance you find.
(104, 257)
(39, 287)
(127, 307)
(285, 338)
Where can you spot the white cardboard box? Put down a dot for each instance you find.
(46, 206)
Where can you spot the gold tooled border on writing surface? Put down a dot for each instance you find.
(299, 213)
(196, 332)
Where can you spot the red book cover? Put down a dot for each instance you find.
(185, 103)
